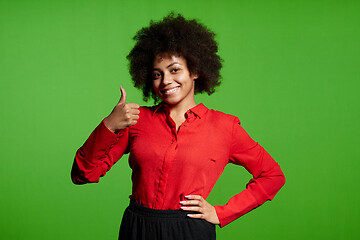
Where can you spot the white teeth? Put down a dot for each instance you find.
(170, 90)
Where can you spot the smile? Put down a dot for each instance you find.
(170, 91)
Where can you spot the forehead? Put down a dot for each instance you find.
(164, 58)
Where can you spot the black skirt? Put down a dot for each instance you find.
(142, 223)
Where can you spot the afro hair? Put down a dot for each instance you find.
(175, 35)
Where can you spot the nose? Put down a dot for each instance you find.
(167, 79)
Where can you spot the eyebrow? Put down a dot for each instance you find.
(170, 65)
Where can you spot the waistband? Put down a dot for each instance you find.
(150, 212)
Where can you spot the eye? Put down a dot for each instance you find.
(174, 70)
(156, 75)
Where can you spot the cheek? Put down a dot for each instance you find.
(155, 85)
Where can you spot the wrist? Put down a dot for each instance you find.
(108, 125)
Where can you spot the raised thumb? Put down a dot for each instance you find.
(123, 95)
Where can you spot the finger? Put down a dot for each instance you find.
(123, 95)
(135, 117)
(134, 111)
(191, 202)
(133, 105)
(196, 216)
(131, 123)
(130, 117)
(193, 209)
(198, 197)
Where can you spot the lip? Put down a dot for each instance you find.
(169, 91)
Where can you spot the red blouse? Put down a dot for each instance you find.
(168, 165)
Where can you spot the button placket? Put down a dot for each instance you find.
(169, 156)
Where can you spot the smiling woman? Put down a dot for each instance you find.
(173, 83)
(174, 35)
(178, 149)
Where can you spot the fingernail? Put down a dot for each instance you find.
(188, 196)
(182, 202)
(183, 207)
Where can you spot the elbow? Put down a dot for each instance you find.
(277, 182)
(86, 172)
(79, 177)
(77, 181)
(283, 180)
(76, 176)
(279, 177)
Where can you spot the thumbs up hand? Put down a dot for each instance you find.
(123, 115)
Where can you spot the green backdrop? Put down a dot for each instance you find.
(291, 74)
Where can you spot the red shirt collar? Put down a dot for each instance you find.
(199, 110)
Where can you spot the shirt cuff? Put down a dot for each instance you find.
(237, 206)
(109, 132)
(102, 140)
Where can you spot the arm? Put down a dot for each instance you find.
(106, 144)
(99, 153)
(267, 176)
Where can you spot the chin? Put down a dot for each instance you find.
(170, 101)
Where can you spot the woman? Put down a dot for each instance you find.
(178, 149)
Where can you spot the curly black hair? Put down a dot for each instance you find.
(176, 35)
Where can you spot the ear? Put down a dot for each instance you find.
(195, 76)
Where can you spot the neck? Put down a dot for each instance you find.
(181, 109)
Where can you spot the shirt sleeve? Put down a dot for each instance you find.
(99, 153)
(267, 176)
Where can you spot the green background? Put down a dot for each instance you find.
(291, 74)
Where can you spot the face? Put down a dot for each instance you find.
(172, 81)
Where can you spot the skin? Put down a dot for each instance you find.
(198, 204)
(123, 115)
(170, 72)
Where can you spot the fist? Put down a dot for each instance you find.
(123, 115)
